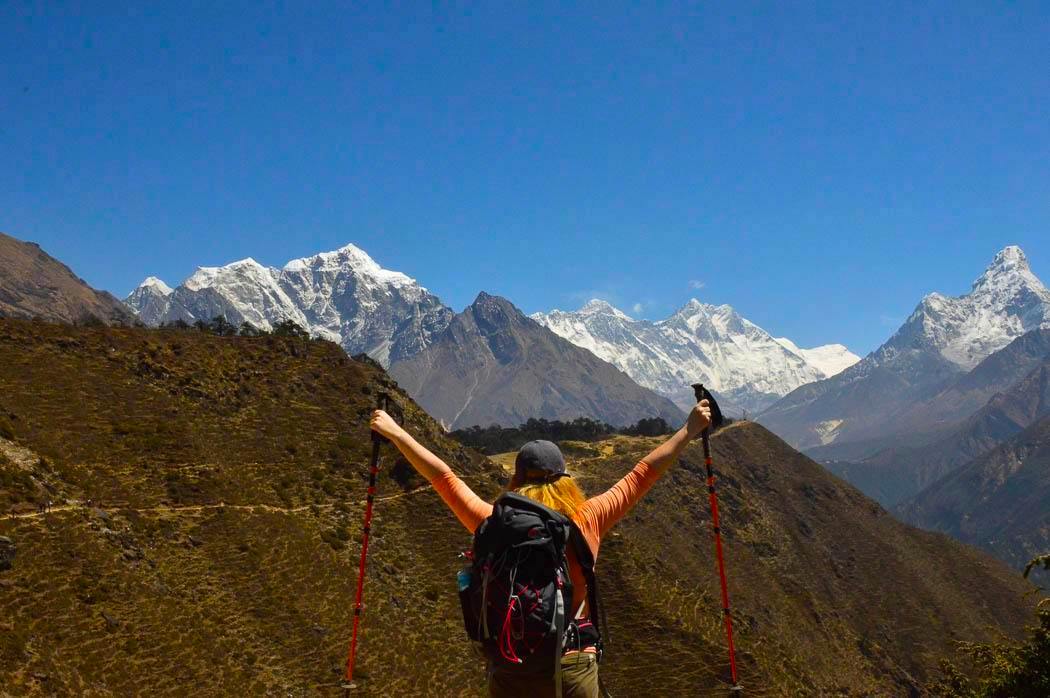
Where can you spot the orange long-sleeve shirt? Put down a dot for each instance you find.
(594, 518)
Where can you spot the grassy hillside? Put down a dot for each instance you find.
(208, 494)
(226, 479)
(830, 593)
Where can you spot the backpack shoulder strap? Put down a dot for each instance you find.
(581, 548)
(586, 560)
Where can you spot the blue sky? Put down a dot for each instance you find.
(819, 166)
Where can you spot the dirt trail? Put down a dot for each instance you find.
(164, 508)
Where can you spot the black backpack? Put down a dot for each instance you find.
(517, 594)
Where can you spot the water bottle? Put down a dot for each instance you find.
(463, 579)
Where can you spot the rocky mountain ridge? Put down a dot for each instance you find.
(944, 338)
(494, 365)
(999, 501)
(746, 366)
(33, 284)
(902, 470)
(344, 296)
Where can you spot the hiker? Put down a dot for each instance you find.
(540, 475)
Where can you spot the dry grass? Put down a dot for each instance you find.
(218, 555)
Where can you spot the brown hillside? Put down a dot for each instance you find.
(35, 284)
(831, 594)
(218, 554)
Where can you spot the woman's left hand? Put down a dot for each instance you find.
(385, 425)
(699, 418)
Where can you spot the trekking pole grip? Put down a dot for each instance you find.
(386, 403)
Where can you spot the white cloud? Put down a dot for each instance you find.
(697, 284)
(585, 295)
(637, 308)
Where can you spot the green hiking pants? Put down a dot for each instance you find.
(579, 679)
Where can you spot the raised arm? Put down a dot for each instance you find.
(426, 463)
(600, 513)
(666, 454)
(468, 507)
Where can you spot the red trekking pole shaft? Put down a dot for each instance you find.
(384, 403)
(716, 421)
(373, 471)
(718, 553)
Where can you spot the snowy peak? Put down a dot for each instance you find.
(150, 298)
(349, 258)
(713, 322)
(1007, 277)
(714, 344)
(245, 269)
(1010, 259)
(831, 359)
(1006, 301)
(692, 309)
(343, 296)
(597, 306)
(152, 283)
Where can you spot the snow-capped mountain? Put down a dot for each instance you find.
(944, 337)
(1006, 301)
(829, 359)
(150, 298)
(736, 358)
(343, 296)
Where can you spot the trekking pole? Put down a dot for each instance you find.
(716, 421)
(388, 405)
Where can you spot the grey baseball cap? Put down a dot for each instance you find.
(539, 456)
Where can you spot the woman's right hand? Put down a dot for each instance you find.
(385, 425)
(699, 418)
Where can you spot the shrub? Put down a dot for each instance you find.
(1003, 669)
(288, 328)
(335, 538)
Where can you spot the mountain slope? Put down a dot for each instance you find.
(206, 490)
(226, 479)
(1000, 501)
(493, 365)
(944, 338)
(35, 284)
(901, 471)
(746, 366)
(998, 373)
(810, 560)
(343, 296)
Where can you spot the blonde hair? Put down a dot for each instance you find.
(562, 495)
